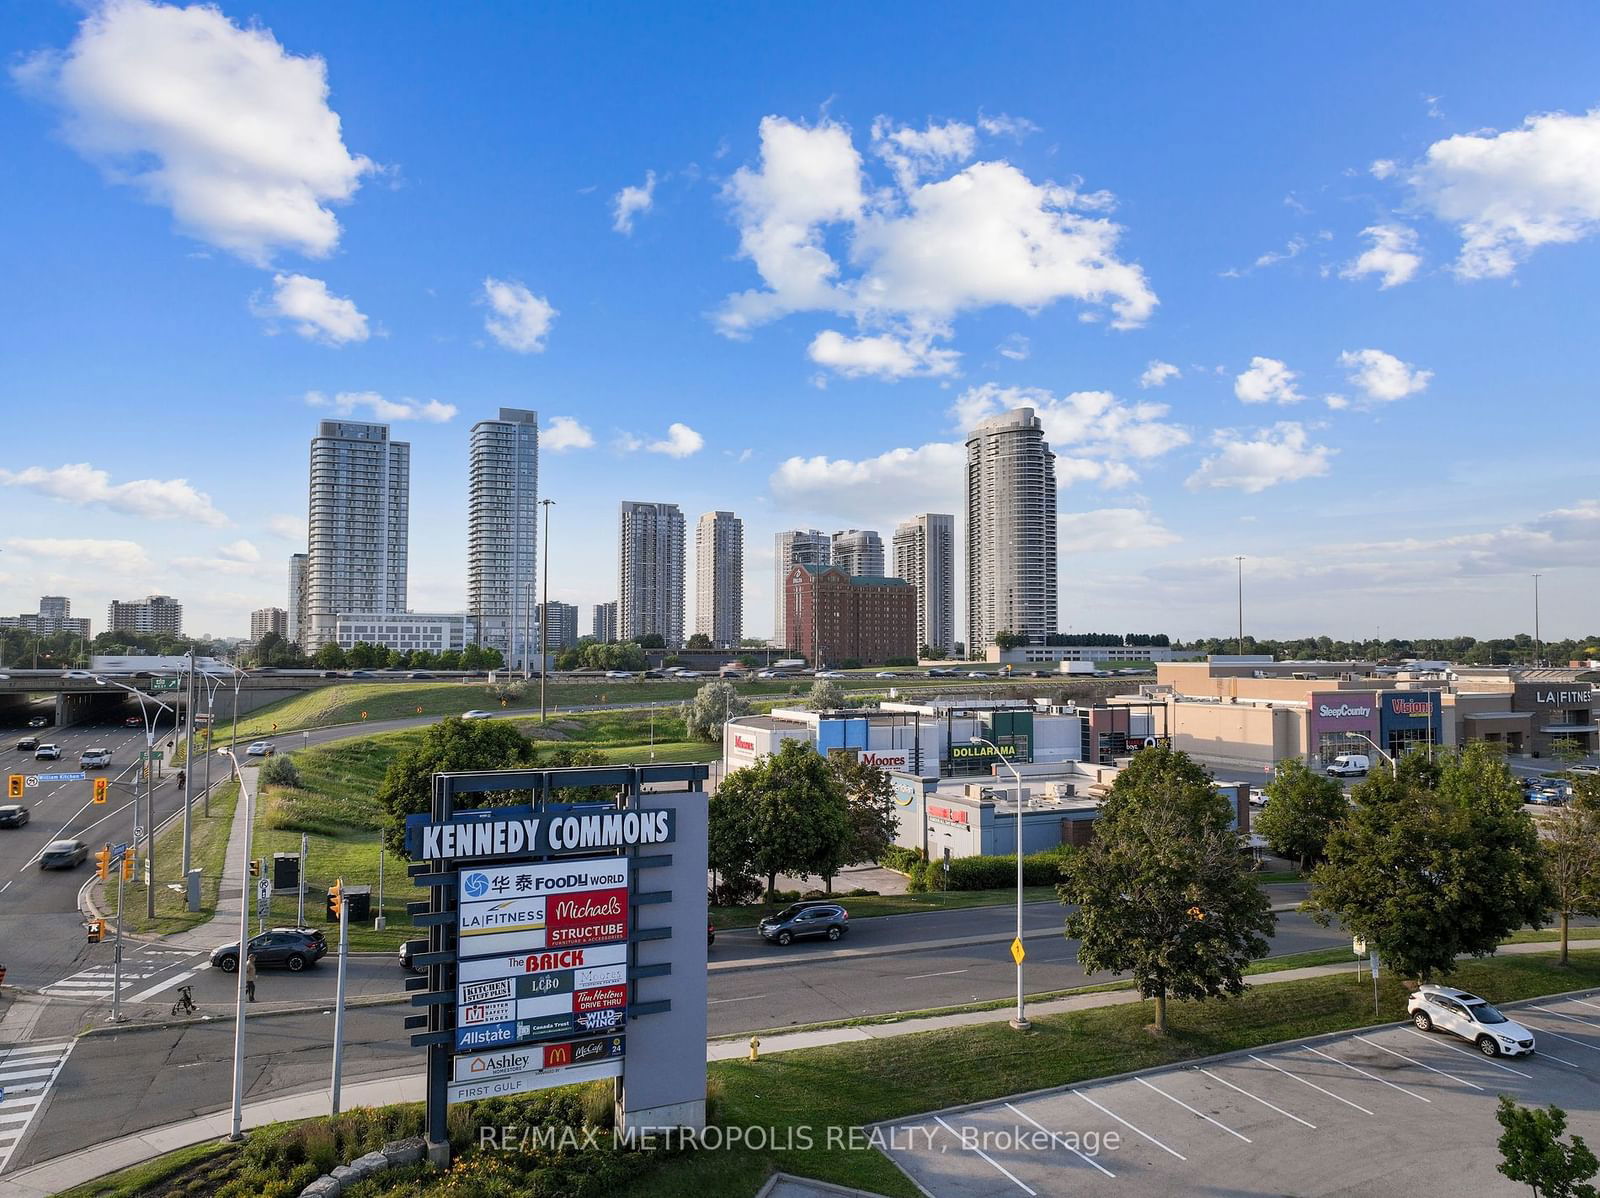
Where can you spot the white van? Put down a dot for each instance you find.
(1349, 765)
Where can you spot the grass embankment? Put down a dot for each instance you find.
(795, 1097)
(208, 846)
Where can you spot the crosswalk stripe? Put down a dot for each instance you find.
(23, 1099)
(18, 1075)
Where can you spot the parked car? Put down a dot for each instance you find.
(47, 752)
(481, 715)
(799, 920)
(1470, 1017)
(94, 759)
(286, 948)
(1589, 770)
(38, 721)
(1546, 796)
(261, 748)
(13, 815)
(63, 854)
(27, 744)
(1349, 765)
(1258, 798)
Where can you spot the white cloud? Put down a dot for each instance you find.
(219, 124)
(1159, 373)
(1383, 168)
(1111, 529)
(83, 485)
(919, 253)
(317, 313)
(1004, 125)
(349, 403)
(884, 356)
(123, 557)
(1392, 255)
(631, 202)
(520, 320)
(681, 441)
(1280, 454)
(1291, 249)
(1016, 347)
(1510, 193)
(290, 528)
(1267, 381)
(563, 433)
(240, 551)
(924, 479)
(1383, 377)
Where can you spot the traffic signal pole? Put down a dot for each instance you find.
(338, 1001)
(116, 959)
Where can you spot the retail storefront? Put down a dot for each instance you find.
(1341, 722)
(1409, 720)
(1562, 711)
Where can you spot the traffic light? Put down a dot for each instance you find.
(127, 867)
(102, 863)
(101, 787)
(97, 931)
(335, 894)
(14, 785)
(255, 867)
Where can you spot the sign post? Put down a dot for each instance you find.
(338, 1002)
(117, 854)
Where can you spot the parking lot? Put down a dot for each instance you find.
(1387, 1111)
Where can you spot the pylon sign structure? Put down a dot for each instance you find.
(548, 962)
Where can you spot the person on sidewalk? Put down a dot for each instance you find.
(250, 978)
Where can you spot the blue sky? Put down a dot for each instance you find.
(1363, 243)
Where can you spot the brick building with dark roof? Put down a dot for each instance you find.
(832, 618)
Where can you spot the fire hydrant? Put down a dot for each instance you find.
(755, 1046)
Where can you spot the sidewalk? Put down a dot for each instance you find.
(225, 922)
(53, 1176)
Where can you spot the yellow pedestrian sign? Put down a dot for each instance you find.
(1017, 951)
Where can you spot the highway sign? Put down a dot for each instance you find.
(1017, 951)
(153, 754)
(118, 851)
(164, 684)
(78, 777)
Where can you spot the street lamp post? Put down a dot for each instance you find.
(1020, 1020)
(1538, 645)
(544, 610)
(1394, 766)
(149, 798)
(1240, 560)
(244, 950)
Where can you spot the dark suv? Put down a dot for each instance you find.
(288, 948)
(805, 919)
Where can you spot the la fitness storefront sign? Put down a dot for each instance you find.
(1551, 696)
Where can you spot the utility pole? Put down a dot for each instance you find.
(1240, 560)
(1538, 645)
(237, 1133)
(338, 1002)
(211, 731)
(544, 612)
(149, 822)
(116, 960)
(188, 767)
(300, 904)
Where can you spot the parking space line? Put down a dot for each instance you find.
(1413, 1061)
(1313, 1085)
(1258, 1098)
(1569, 1040)
(1564, 1015)
(1087, 1159)
(1586, 1003)
(1192, 1111)
(1129, 1126)
(1477, 1056)
(986, 1156)
(1364, 1073)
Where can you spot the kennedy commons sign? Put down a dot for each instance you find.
(535, 834)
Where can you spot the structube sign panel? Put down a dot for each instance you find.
(542, 956)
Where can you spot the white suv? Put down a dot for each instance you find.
(1471, 1018)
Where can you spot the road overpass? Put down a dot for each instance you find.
(79, 698)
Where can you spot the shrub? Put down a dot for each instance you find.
(280, 771)
(900, 859)
(859, 892)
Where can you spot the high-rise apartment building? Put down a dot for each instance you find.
(295, 613)
(650, 572)
(503, 532)
(719, 578)
(358, 527)
(605, 622)
(267, 619)
(563, 632)
(54, 616)
(157, 613)
(858, 552)
(796, 547)
(925, 556)
(1011, 530)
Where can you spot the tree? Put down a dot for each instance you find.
(1162, 890)
(449, 659)
(1571, 847)
(652, 640)
(796, 819)
(930, 653)
(329, 657)
(826, 695)
(1009, 640)
(698, 641)
(1425, 874)
(1567, 750)
(1531, 1151)
(491, 658)
(364, 656)
(451, 744)
(713, 703)
(1302, 809)
(396, 660)
(873, 819)
(730, 845)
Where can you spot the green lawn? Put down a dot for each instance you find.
(208, 846)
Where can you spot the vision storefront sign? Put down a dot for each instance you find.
(535, 834)
(1409, 719)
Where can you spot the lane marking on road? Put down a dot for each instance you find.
(1258, 1098)
(1418, 1063)
(1128, 1125)
(1192, 1111)
(17, 1108)
(1364, 1073)
(948, 973)
(1312, 1084)
(1054, 1137)
(1477, 1056)
(985, 1156)
(166, 984)
(742, 998)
